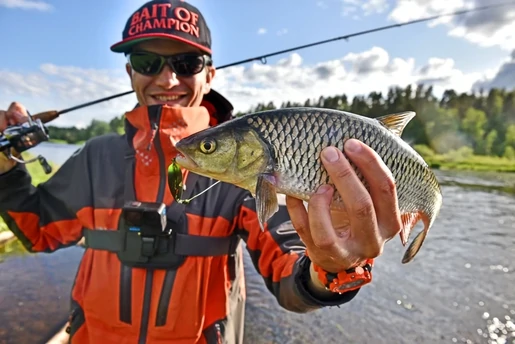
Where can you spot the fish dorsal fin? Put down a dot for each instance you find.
(396, 122)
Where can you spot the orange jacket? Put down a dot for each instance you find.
(201, 300)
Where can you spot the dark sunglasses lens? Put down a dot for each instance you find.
(147, 64)
(187, 64)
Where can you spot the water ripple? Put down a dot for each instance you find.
(459, 289)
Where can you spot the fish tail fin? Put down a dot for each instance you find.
(416, 244)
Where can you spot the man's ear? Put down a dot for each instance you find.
(209, 79)
(128, 69)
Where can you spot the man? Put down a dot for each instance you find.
(140, 282)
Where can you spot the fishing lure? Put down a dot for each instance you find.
(175, 183)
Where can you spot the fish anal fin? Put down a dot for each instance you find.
(409, 220)
(266, 198)
(396, 122)
(416, 244)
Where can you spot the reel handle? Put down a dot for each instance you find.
(46, 116)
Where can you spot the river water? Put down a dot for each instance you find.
(459, 289)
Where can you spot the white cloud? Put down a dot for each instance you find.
(321, 4)
(59, 87)
(290, 79)
(353, 74)
(355, 8)
(492, 27)
(504, 77)
(26, 4)
(282, 32)
(374, 6)
(363, 7)
(261, 31)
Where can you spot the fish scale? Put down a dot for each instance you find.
(286, 145)
(310, 175)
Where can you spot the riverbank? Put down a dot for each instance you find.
(79, 143)
(463, 160)
(457, 160)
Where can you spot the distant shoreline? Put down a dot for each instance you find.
(455, 161)
(63, 142)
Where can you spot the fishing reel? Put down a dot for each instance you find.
(23, 137)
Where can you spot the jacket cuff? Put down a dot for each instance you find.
(302, 278)
(13, 176)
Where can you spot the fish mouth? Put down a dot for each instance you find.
(185, 161)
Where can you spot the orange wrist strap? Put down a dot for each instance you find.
(347, 280)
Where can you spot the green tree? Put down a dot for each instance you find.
(483, 121)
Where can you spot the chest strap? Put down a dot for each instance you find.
(184, 244)
(179, 243)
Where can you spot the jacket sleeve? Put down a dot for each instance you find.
(278, 255)
(44, 217)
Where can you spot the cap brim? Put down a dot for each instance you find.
(126, 45)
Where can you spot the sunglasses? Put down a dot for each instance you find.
(151, 64)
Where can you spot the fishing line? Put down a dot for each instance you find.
(262, 58)
(51, 115)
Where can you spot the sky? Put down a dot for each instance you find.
(55, 53)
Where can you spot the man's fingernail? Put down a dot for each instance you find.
(323, 189)
(352, 146)
(330, 154)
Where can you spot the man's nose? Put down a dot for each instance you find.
(167, 78)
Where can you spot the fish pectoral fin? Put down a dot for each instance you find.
(409, 220)
(416, 244)
(396, 122)
(266, 198)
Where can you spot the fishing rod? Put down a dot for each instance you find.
(51, 115)
(28, 135)
(262, 58)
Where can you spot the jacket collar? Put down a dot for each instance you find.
(218, 107)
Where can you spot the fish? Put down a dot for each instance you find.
(278, 152)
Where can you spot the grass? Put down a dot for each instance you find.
(463, 160)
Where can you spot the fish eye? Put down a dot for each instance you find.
(208, 146)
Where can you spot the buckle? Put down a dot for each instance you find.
(148, 246)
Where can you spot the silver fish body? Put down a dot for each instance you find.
(291, 141)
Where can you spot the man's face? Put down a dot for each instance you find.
(166, 87)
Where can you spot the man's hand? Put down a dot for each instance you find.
(337, 241)
(15, 114)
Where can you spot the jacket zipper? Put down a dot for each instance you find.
(218, 334)
(154, 125)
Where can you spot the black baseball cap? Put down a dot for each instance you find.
(173, 19)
